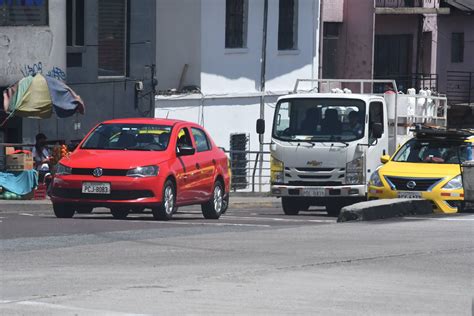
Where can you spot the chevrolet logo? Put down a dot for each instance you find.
(314, 163)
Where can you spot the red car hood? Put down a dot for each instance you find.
(114, 159)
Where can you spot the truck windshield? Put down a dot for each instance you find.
(320, 120)
(142, 137)
(432, 151)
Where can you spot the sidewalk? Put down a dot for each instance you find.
(239, 200)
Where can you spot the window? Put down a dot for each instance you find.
(320, 120)
(23, 13)
(375, 117)
(288, 25)
(236, 13)
(330, 41)
(184, 140)
(112, 38)
(202, 143)
(75, 22)
(457, 48)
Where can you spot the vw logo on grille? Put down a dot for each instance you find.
(97, 172)
(411, 185)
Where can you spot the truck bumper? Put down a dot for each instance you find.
(356, 191)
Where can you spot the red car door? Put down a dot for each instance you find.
(186, 171)
(205, 164)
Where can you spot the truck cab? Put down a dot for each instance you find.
(325, 146)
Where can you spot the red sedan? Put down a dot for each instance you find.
(129, 164)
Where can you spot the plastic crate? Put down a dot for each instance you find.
(40, 192)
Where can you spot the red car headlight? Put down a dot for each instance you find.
(142, 172)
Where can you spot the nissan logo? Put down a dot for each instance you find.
(411, 185)
(97, 172)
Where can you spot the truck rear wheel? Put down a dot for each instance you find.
(334, 209)
(291, 206)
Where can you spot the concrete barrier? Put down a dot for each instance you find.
(380, 209)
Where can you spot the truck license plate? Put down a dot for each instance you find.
(96, 188)
(409, 195)
(314, 192)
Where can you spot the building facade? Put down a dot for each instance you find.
(209, 67)
(104, 50)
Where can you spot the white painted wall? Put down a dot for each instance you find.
(238, 70)
(23, 46)
(178, 42)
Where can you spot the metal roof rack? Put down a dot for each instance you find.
(424, 131)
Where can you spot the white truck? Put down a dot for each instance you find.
(325, 146)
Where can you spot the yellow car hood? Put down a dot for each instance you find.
(420, 169)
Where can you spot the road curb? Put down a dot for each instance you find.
(382, 209)
(237, 202)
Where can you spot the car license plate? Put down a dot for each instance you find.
(314, 192)
(96, 188)
(409, 195)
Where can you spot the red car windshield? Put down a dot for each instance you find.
(143, 137)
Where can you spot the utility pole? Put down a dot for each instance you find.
(263, 64)
(153, 90)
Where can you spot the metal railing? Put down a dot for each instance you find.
(250, 171)
(415, 80)
(460, 87)
(407, 3)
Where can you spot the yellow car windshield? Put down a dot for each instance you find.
(433, 151)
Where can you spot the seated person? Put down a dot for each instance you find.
(310, 123)
(331, 125)
(355, 123)
(432, 154)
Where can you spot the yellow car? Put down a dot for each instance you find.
(427, 166)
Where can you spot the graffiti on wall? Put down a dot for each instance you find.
(37, 68)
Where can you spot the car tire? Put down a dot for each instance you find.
(119, 213)
(215, 207)
(291, 206)
(84, 210)
(165, 211)
(63, 211)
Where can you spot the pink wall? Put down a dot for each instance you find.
(355, 51)
(446, 26)
(333, 10)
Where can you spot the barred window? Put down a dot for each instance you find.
(236, 16)
(23, 12)
(288, 25)
(112, 38)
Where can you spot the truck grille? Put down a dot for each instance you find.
(314, 176)
(412, 184)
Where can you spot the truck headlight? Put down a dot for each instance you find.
(142, 172)
(454, 184)
(277, 169)
(355, 171)
(375, 179)
(63, 170)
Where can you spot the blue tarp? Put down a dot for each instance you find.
(21, 182)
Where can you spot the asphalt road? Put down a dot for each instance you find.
(251, 261)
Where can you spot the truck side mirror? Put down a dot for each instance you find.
(377, 130)
(260, 126)
(384, 159)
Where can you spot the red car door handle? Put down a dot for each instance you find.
(198, 166)
(213, 161)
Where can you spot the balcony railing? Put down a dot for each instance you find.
(415, 80)
(407, 3)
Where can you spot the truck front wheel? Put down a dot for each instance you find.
(291, 206)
